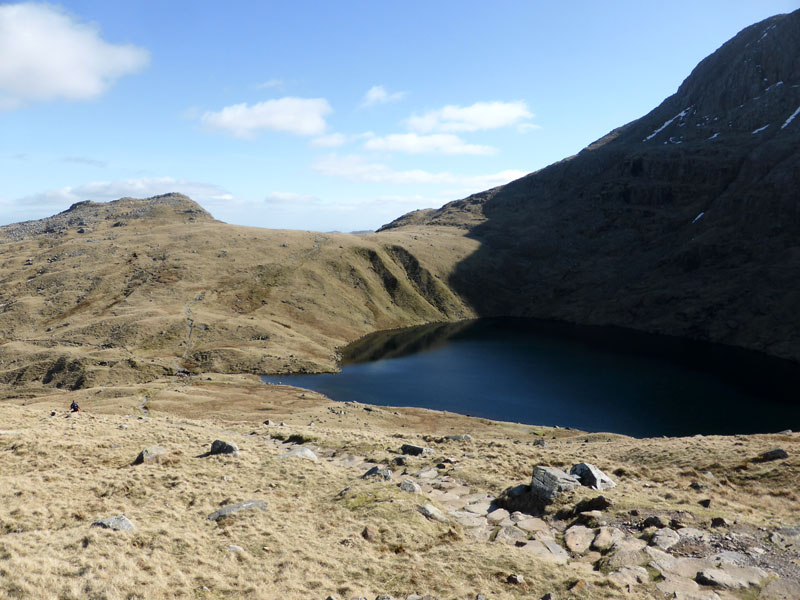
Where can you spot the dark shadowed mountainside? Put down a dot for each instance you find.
(685, 222)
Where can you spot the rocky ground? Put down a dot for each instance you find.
(301, 497)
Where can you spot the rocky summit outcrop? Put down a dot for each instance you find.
(684, 221)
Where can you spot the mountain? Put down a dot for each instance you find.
(685, 221)
(136, 289)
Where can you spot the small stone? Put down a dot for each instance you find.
(696, 485)
(653, 521)
(152, 454)
(369, 533)
(497, 515)
(705, 503)
(549, 596)
(508, 534)
(429, 511)
(515, 579)
(220, 447)
(118, 523)
(719, 522)
(591, 476)
(235, 548)
(378, 472)
(269, 423)
(232, 509)
(400, 461)
(409, 486)
(774, 454)
(414, 450)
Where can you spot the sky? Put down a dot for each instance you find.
(326, 115)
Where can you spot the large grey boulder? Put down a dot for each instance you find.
(118, 523)
(232, 509)
(591, 476)
(548, 483)
(664, 539)
(220, 447)
(407, 485)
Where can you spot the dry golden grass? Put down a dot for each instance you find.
(58, 474)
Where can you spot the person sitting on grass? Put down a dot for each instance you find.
(74, 407)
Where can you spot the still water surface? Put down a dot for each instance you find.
(589, 378)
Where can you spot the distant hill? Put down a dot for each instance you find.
(686, 221)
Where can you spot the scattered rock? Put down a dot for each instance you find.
(696, 485)
(378, 472)
(497, 515)
(591, 476)
(400, 461)
(719, 522)
(413, 450)
(301, 452)
(152, 454)
(706, 503)
(508, 534)
(231, 509)
(118, 523)
(786, 538)
(220, 447)
(515, 579)
(634, 575)
(606, 538)
(578, 538)
(459, 437)
(665, 538)
(269, 423)
(369, 533)
(409, 486)
(774, 454)
(781, 589)
(653, 521)
(547, 550)
(429, 511)
(236, 549)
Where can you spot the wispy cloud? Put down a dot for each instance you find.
(291, 199)
(46, 54)
(82, 160)
(439, 143)
(357, 168)
(476, 117)
(378, 94)
(300, 116)
(270, 83)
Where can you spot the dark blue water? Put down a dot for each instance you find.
(589, 378)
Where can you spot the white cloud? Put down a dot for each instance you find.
(99, 191)
(478, 116)
(301, 116)
(377, 94)
(412, 143)
(356, 168)
(47, 54)
(526, 127)
(333, 140)
(83, 160)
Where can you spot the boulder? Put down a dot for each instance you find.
(665, 538)
(592, 477)
(635, 575)
(379, 473)
(547, 550)
(578, 538)
(232, 509)
(510, 535)
(409, 486)
(774, 454)
(302, 452)
(152, 454)
(220, 447)
(429, 511)
(414, 450)
(459, 437)
(118, 523)
(606, 538)
(497, 515)
(548, 483)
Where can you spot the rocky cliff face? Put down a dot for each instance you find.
(685, 221)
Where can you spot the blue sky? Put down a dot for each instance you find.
(326, 115)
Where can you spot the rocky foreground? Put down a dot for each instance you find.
(220, 487)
